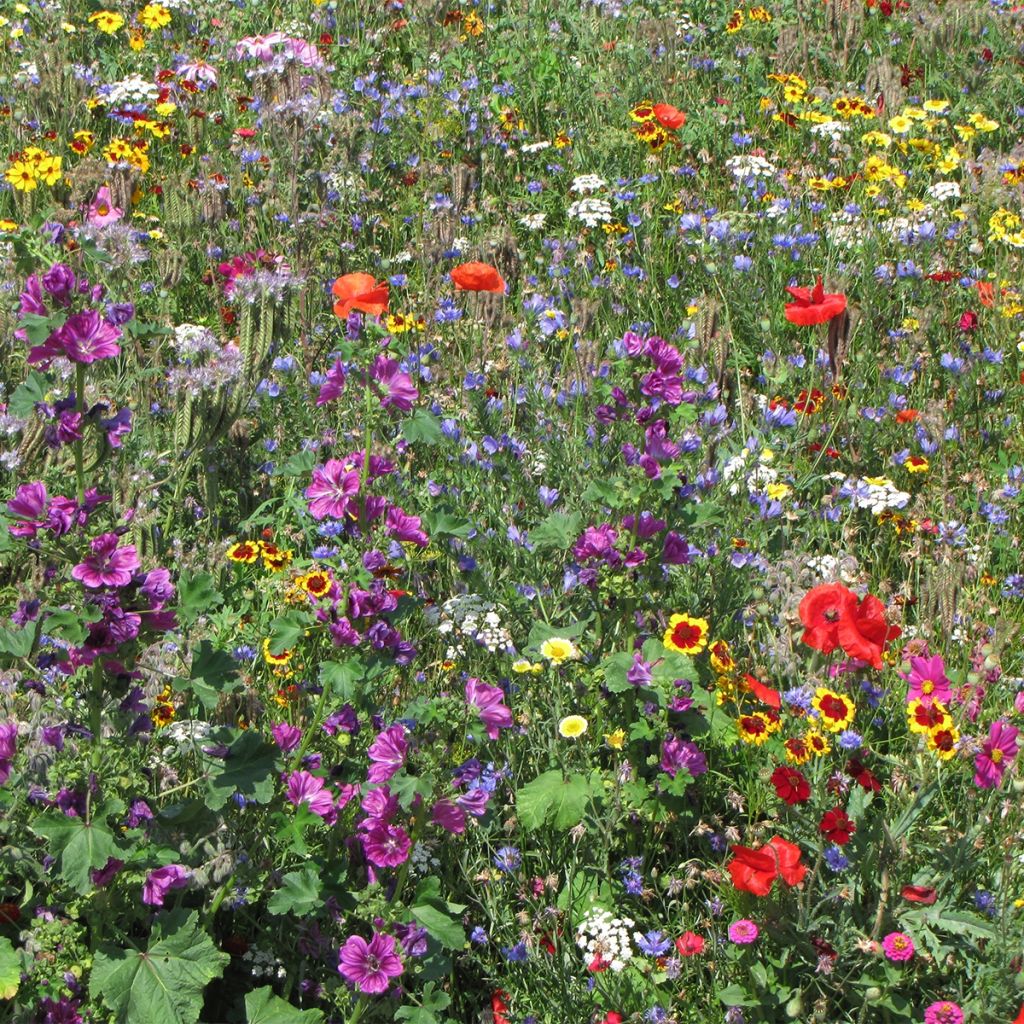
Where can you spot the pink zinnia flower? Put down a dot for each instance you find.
(943, 1012)
(159, 882)
(489, 703)
(370, 966)
(743, 932)
(108, 565)
(304, 788)
(387, 753)
(928, 681)
(102, 211)
(996, 754)
(332, 491)
(898, 946)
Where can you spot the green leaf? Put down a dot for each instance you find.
(615, 668)
(441, 524)
(213, 673)
(69, 625)
(736, 995)
(262, 1006)
(27, 394)
(557, 531)
(164, 984)
(299, 893)
(38, 328)
(299, 464)
(422, 426)
(905, 821)
(10, 970)
(432, 1001)
(17, 642)
(196, 594)
(541, 631)
(342, 677)
(552, 797)
(286, 631)
(447, 931)
(77, 845)
(603, 492)
(249, 769)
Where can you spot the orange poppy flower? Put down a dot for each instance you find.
(478, 277)
(359, 291)
(668, 116)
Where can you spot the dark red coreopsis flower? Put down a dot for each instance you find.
(814, 305)
(837, 827)
(790, 785)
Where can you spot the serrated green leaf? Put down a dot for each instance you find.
(249, 769)
(196, 594)
(77, 845)
(447, 931)
(262, 1006)
(432, 1001)
(441, 524)
(213, 673)
(286, 631)
(603, 492)
(299, 464)
(299, 893)
(164, 984)
(27, 394)
(558, 531)
(341, 678)
(552, 797)
(424, 427)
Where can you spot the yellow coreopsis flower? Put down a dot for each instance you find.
(21, 176)
(107, 22)
(49, 169)
(154, 16)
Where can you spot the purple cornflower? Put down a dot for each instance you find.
(370, 966)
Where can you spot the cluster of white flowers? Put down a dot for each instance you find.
(422, 860)
(191, 340)
(602, 936)
(533, 221)
(591, 211)
(133, 89)
(746, 165)
(584, 184)
(536, 147)
(833, 130)
(756, 477)
(186, 730)
(263, 964)
(943, 190)
(27, 74)
(835, 568)
(468, 617)
(878, 494)
(460, 245)
(845, 230)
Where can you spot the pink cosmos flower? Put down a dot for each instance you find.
(108, 565)
(304, 788)
(333, 490)
(260, 47)
(489, 703)
(159, 882)
(943, 1012)
(898, 946)
(996, 753)
(928, 681)
(102, 210)
(387, 752)
(743, 932)
(370, 966)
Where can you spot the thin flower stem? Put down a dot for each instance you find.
(79, 407)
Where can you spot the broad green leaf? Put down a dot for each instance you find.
(736, 995)
(38, 328)
(299, 893)
(342, 677)
(213, 673)
(10, 969)
(299, 464)
(603, 492)
(557, 531)
(422, 426)
(17, 642)
(77, 845)
(196, 594)
(164, 984)
(554, 798)
(447, 931)
(262, 1006)
(70, 625)
(541, 631)
(441, 524)
(27, 394)
(432, 1001)
(286, 631)
(249, 769)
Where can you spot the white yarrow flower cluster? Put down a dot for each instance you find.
(584, 184)
(943, 190)
(746, 165)
(878, 494)
(133, 89)
(591, 211)
(603, 936)
(833, 130)
(536, 147)
(533, 221)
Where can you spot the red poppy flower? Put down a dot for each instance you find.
(669, 117)
(837, 827)
(919, 894)
(690, 944)
(765, 694)
(790, 785)
(478, 277)
(813, 305)
(499, 1006)
(755, 871)
(1019, 1019)
(821, 610)
(359, 291)
(863, 631)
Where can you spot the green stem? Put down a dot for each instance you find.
(79, 407)
(219, 899)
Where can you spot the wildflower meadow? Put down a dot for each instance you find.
(511, 513)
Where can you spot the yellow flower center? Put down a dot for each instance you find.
(927, 687)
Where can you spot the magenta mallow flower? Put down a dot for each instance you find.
(743, 932)
(159, 882)
(927, 681)
(387, 752)
(304, 788)
(370, 966)
(405, 528)
(898, 946)
(489, 703)
(8, 744)
(682, 755)
(333, 385)
(108, 565)
(449, 816)
(385, 846)
(943, 1012)
(333, 490)
(996, 754)
(84, 338)
(399, 391)
(286, 736)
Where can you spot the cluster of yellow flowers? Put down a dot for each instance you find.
(32, 167)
